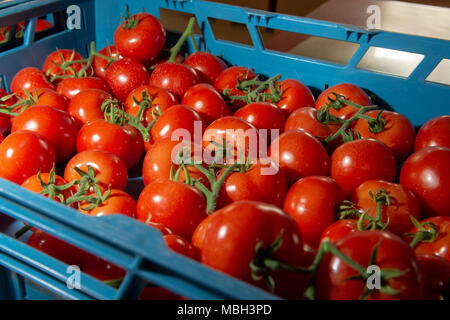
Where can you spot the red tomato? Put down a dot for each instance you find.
(227, 81)
(160, 158)
(306, 118)
(176, 117)
(332, 280)
(100, 268)
(100, 65)
(23, 154)
(398, 133)
(85, 107)
(56, 248)
(5, 123)
(174, 77)
(179, 206)
(162, 228)
(124, 141)
(357, 161)
(436, 274)
(199, 235)
(29, 79)
(72, 86)
(263, 115)
(204, 99)
(117, 202)
(58, 57)
(295, 95)
(33, 184)
(234, 231)
(339, 230)
(124, 75)
(351, 92)
(207, 65)
(53, 99)
(441, 245)
(57, 126)
(312, 201)
(160, 98)
(157, 293)
(179, 245)
(435, 132)
(108, 168)
(240, 136)
(140, 37)
(403, 204)
(299, 154)
(263, 181)
(426, 173)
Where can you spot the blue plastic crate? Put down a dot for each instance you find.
(26, 273)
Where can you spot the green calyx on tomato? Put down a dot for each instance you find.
(263, 264)
(13, 110)
(324, 116)
(66, 65)
(257, 94)
(129, 21)
(115, 113)
(426, 232)
(347, 209)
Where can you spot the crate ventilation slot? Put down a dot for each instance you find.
(440, 74)
(389, 61)
(319, 48)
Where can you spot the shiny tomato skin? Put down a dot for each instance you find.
(176, 117)
(339, 229)
(178, 206)
(256, 184)
(295, 95)
(5, 122)
(23, 154)
(33, 184)
(240, 136)
(56, 248)
(124, 141)
(124, 75)
(142, 42)
(53, 99)
(57, 126)
(162, 228)
(161, 101)
(299, 154)
(311, 202)
(179, 245)
(108, 168)
(231, 236)
(434, 133)
(118, 202)
(161, 156)
(85, 107)
(174, 77)
(360, 160)
(398, 133)
(207, 65)
(204, 99)
(351, 92)
(436, 272)
(403, 204)
(100, 65)
(306, 118)
(57, 57)
(72, 86)
(29, 79)
(441, 245)
(263, 115)
(426, 174)
(227, 80)
(393, 253)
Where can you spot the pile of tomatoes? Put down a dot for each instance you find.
(304, 211)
